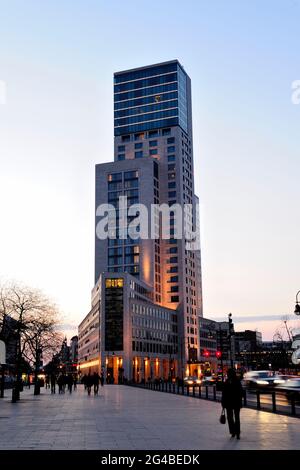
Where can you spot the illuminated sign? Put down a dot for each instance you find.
(112, 283)
(114, 314)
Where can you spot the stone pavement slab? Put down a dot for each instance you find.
(136, 419)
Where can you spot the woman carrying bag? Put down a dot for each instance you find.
(232, 396)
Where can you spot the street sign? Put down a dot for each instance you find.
(2, 352)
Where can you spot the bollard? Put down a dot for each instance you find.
(193, 390)
(13, 396)
(188, 390)
(293, 405)
(206, 392)
(274, 402)
(215, 392)
(199, 391)
(182, 391)
(258, 399)
(177, 388)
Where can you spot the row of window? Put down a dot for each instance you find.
(146, 100)
(133, 270)
(131, 75)
(152, 143)
(151, 323)
(153, 335)
(150, 108)
(154, 90)
(113, 186)
(118, 177)
(153, 312)
(128, 250)
(142, 346)
(147, 135)
(146, 82)
(118, 260)
(146, 126)
(139, 153)
(141, 118)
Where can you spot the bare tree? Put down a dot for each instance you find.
(36, 321)
(283, 329)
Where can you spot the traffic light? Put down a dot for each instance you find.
(218, 354)
(206, 353)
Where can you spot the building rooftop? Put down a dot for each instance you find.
(174, 61)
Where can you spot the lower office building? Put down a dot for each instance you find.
(127, 336)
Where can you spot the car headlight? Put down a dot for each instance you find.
(190, 382)
(279, 381)
(262, 382)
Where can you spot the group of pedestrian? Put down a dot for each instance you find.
(93, 380)
(232, 393)
(63, 381)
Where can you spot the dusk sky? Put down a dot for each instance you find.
(57, 60)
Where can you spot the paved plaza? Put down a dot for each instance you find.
(131, 418)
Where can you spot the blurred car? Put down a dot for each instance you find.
(209, 380)
(213, 380)
(260, 379)
(192, 380)
(291, 388)
(282, 379)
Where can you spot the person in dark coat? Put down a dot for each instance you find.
(70, 383)
(102, 379)
(61, 383)
(232, 396)
(53, 383)
(96, 380)
(89, 383)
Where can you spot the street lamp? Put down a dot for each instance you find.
(231, 333)
(221, 351)
(297, 306)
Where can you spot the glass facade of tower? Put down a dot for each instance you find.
(150, 98)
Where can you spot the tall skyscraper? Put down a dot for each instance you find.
(153, 165)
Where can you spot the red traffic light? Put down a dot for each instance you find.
(206, 354)
(218, 354)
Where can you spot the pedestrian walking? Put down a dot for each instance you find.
(232, 396)
(70, 383)
(75, 382)
(102, 379)
(96, 380)
(61, 384)
(84, 381)
(53, 383)
(89, 383)
(47, 381)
